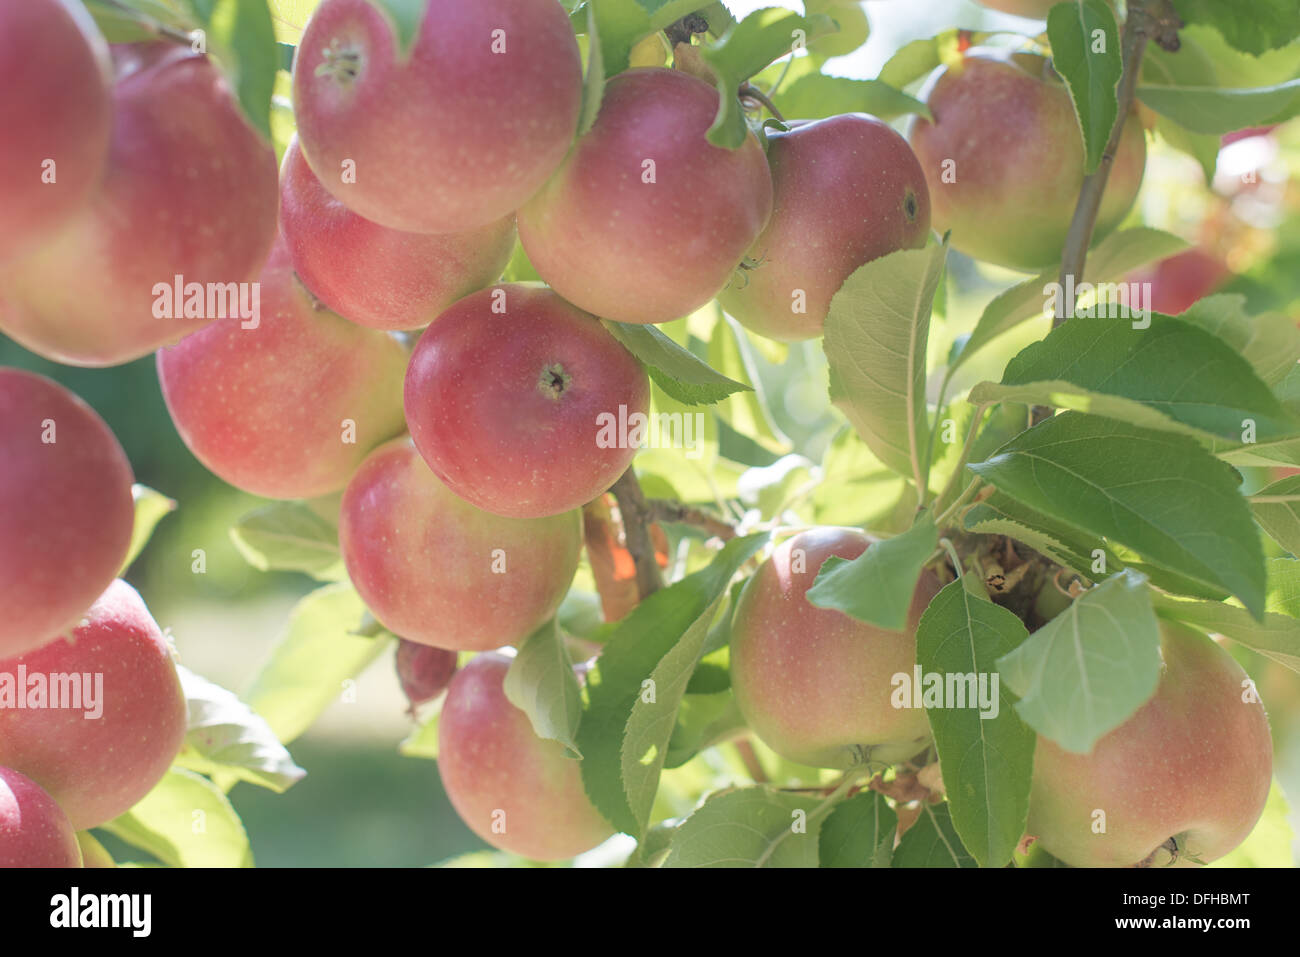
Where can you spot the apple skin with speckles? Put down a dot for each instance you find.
(437, 570)
(515, 790)
(272, 409)
(814, 684)
(34, 831)
(646, 220)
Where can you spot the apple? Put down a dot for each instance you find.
(66, 511)
(1194, 763)
(437, 570)
(847, 189)
(290, 407)
(56, 111)
(510, 396)
(380, 277)
(814, 684)
(189, 191)
(119, 723)
(453, 136)
(1178, 281)
(93, 854)
(646, 220)
(424, 672)
(1004, 160)
(518, 792)
(34, 831)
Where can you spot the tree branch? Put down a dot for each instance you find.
(635, 515)
(666, 510)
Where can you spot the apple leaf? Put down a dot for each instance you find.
(289, 536)
(1002, 515)
(404, 16)
(242, 36)
(150, 508)
(312, 659)
(620, 24)
(1189, 65)
(817, 95)
(682, 374)
(422, 742)
(540, 682)
(128, 21)
(752, 827)
(1269, 25)
(932, 841)
(1269, 342)
(162, 823)
(1277, 509)
(877, 586)
(877, 331)
(757, 40)
(915, 59)
(858, 833)
(1171, 376)
(593, 86)
(226, 740)
(1216, 110)
(1086, 53)
(1157, 493)
(617, 680)
(702, 720)
(986, 753)
(1109, 260)
(1087, 671)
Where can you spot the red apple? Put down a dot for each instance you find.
(126, 722)
(509, 396)
(55, 110)
(1178, 281)
(847, 190)
(34, 831)
(1004, 160)
(515, 790)
(435, 569)
(1193, 763)
(189, 191)
(814, 684)
(423, 671)
(66, 512)
(452, 137)
(287, 409)
(646, 220)
(380, 277)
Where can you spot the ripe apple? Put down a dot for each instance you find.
(56, 112)
(380, 277)
(646, 220)
(1004, 160)
(1193, 763)
(506, 396)
(453, 136)
(847, 190)
(66, 512)
(813, 683)
(126, 722)
(423, 671)
(34, 831)
(515, 790)
(290, 408)
(189, 191)
(1178, 281)
(435, 569)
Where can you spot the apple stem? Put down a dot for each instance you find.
(635, 515)
(667, 510)
(750, 92)
(146, 22)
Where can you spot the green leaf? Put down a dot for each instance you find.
(702, 721)
(757, 40)
(1270, 841)
(289, 536)
(753, 827)
(1087, 671)
(1277, 509)
(422, 742)
(859, 833)
(621, 23)
(540, 682)
(1086, 53)
(1269, 342)
(318, 653)
(914, 60)
(932, 842)
(593, 87)
(1001, 514)
(228, 741)
(130, 25)
(679, 372)
(877, 586)
(1113, 257)
(985, 752)
(817, 95)
(1158, 493)
(1171, 376)
(185, 821)
(877, 331)
(1267, 24)
(150, 508)
(616, 682)
(240, 33)
(404, 16)
(1215, 110)
(1189, 65)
